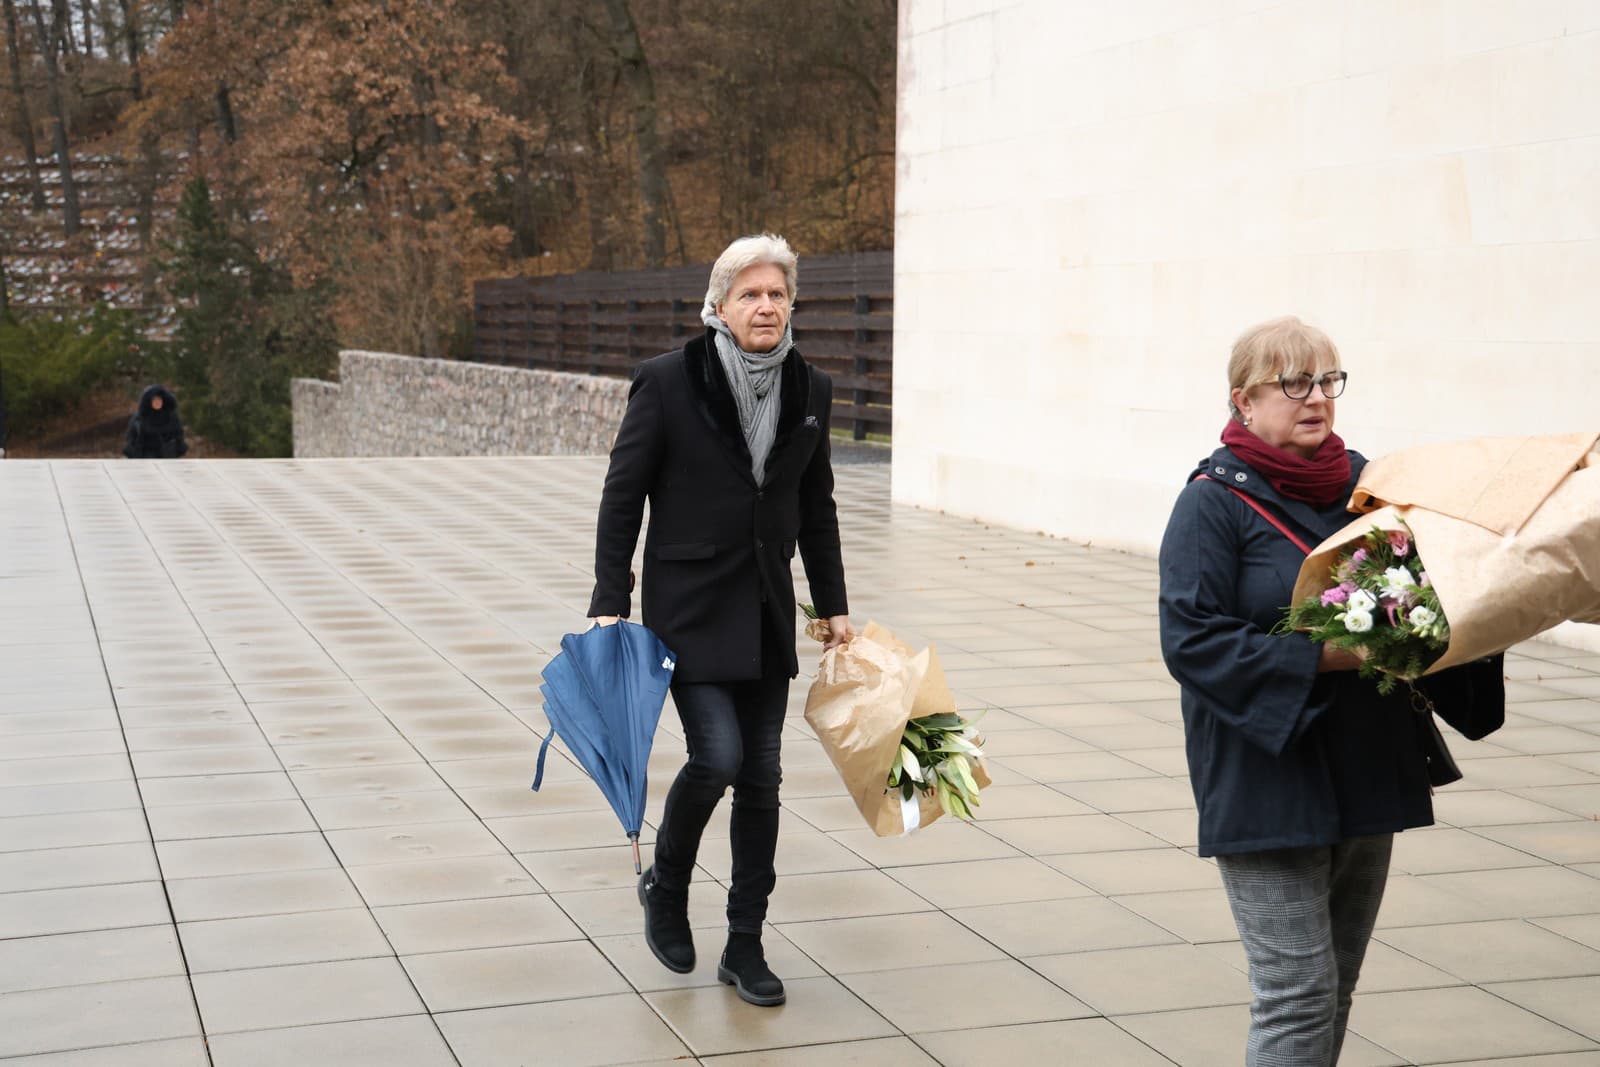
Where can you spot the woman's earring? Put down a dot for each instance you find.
(1247, 422)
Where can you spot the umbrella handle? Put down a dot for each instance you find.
(637, 869)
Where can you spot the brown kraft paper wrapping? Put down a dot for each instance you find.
(1508, 529)
(863, 695)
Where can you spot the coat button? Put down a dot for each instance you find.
(761, 544)
(1240, 477)
(760, 495)
(1219, 470)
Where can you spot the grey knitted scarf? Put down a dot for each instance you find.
(757, 382)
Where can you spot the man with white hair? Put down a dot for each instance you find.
(727, 438)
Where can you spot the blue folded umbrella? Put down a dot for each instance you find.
(603, 694)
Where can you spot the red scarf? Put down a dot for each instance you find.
(1320, 480)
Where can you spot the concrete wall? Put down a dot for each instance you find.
(387, 405)
(1094, 199)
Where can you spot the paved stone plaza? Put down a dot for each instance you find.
(267, 729)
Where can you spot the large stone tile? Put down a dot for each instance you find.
(1577, 841)
(65, 770)
(562, 832)
(1445, 850)
(218, 856)
(486, 923)
(593, 1032)
(1569, 1002)
(520, 974)
(274, 893)
(872, 1052)
(1001, 881)
(304, 995)
(230, 820)
(1090, 1041)
(402, 1041)
(1584, 929)
(107, 1013)
(354, 781)
(425, 841)
(81, 959)
(218, 789)
(67, 798)
(841, 895)
(1527, 892)
(1157, 978)
(889, 942)
(1439, 1025)
(63, 911)
(272, 940)
(946, 841)
(1206, 1037)
(177, 1052)
(712, 1019)
(134, 861)
(1072, 833)
(1048, 927)
(1005, 992)
(1506, 950)
(387, 809)
(1143, 871)
(424, 881)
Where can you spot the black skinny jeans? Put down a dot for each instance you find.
(733, 731)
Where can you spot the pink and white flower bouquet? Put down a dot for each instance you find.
(1380, 605)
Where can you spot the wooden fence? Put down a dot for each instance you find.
(602, 323)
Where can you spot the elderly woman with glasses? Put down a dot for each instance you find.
(727, 438)
(1302, 772)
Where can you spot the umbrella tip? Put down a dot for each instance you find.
(637, 869)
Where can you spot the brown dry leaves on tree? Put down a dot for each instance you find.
(358, 134)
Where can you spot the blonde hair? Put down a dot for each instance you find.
(747, 252)
(1278, 346)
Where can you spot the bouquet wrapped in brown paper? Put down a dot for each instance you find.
(864, 695)
(1509, 528)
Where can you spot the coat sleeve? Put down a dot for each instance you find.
(130, 444)
(1255, 682)
(1471, 697)
(819, 520)
(635, 457)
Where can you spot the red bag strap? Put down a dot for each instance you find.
(1255, 506)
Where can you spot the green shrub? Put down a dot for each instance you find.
(50, 362)
(243, 332)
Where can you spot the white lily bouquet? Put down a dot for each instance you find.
(888, 722)
(936, 756)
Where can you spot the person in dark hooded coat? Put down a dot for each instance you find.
(155, 431)
(1302, 771)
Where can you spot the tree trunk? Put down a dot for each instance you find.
(149, 163)
(225, 120)
(646, 133)
(30, 149)
(49, 44)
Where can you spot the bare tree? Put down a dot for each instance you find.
(49, 45)
(30, 149)
(653, 189)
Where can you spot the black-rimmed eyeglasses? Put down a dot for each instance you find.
(1298, 386)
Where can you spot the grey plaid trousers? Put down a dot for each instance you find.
(1305, 916)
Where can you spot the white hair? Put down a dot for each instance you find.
(748, 252)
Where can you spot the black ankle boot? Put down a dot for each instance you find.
(744, 966)
(666, 923)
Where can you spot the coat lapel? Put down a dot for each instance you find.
(708, 384)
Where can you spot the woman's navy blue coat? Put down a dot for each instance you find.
(1281, 756)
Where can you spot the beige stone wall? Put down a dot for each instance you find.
(388, 405)
(1094, 199)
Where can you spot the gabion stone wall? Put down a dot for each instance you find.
(318, 419)
(387, 405)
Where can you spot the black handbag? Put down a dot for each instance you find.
(1442, 769)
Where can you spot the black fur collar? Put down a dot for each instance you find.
(708, 383)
